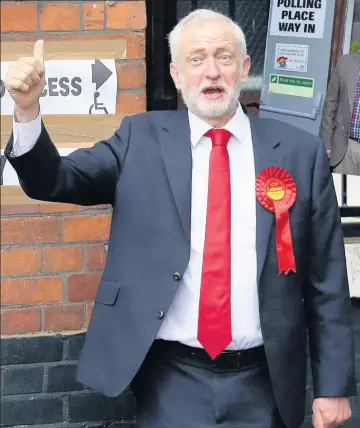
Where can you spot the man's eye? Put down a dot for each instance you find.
(195, 60)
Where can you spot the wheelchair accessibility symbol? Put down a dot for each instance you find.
(97, 105)
(100, 74)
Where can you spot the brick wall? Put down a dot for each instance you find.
(39, 387)
(52, 255)
(51, 260)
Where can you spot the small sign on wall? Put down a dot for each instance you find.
(298, 18)
(291, 85)
(72, 87)
(291, 57)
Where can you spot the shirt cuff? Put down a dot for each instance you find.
(25, 135)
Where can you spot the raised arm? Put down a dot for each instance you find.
(86, 176)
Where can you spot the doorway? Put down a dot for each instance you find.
(163, 15)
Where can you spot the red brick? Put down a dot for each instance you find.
(61, 259)
(18, 17)
(64, 317)
(95, 256)
(60, 17)
(30, 230)
(94, 13)
(18, 321)
(87, 227)
(58, 208)
(82, 287)
(130, 103)
(131, 75)
(126, 16)
(31, 291)
(19, 209)
(136, 45)
(20, 261)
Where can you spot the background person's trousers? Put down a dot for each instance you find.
(350, 164)
(174, 392)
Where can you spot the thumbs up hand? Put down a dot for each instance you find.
(25, 82)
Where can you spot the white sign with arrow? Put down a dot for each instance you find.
(72, 87)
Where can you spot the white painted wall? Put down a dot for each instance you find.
(353, 266)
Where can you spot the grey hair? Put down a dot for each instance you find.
(200, 16)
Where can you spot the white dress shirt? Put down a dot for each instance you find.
(180, 323)
(25, 135)
(182, 318)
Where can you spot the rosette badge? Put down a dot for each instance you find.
(276, 192)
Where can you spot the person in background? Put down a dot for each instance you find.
(207, 296)
(340, 124)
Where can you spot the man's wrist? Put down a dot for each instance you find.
(27, 115)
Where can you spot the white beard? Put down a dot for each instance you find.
(202, 107)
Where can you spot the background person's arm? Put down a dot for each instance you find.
(330, 108)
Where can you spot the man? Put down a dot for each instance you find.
(192, 311)
(340, 125)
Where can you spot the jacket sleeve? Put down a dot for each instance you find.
(85, 177)
(330, 107)
(327, 296)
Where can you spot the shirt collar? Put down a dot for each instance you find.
(199, 127)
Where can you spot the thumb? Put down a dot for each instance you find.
(317, 420)
(39, 50)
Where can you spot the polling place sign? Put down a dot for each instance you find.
(298, 18)
(297, 61)
(72, 87)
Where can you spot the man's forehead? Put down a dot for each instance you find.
(199, 37)
(201, 29)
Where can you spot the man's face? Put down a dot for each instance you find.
(208, 71)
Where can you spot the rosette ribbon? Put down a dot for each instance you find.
(276, 192)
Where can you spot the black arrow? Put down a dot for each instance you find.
(100, 73)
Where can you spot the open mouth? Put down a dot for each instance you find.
(213, 92)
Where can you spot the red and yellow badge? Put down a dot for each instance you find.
(276, 191)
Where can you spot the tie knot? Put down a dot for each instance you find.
(219, 137)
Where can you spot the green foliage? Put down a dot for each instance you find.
(355, 46)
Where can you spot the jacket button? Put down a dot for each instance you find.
(160, 315)
(177, 276)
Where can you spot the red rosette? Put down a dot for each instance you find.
(276, 192)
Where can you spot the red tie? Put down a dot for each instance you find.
(214, 328)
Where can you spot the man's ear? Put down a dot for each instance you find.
(175, 74)
(246, 68)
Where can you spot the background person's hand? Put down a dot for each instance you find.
(25, 82)
(328, 412)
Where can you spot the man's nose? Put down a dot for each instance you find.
(212, 69)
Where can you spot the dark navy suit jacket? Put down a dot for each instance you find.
(144, 171)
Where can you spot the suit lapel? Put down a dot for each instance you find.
(352, 79)
(267, 152)
(174, 139)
